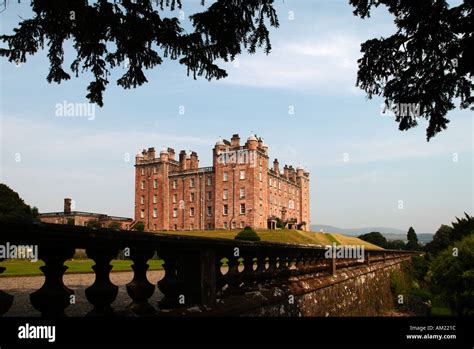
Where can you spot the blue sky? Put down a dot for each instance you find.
(312, 68)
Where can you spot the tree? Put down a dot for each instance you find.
(426, 64)
(412, 244)
(247, 234)
(441, 240)
(12, 207)
(108, 35)
(462, 227)
(139, 226)
(396, 245)
(453, 276)
(115, 225)
(375, 238)
(94, 223)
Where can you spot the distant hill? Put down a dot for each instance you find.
(389, 233)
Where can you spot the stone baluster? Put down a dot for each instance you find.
(170, 285)
(53, 297)
(232, 276)
(261, 271)
(6, 300)
(140, 289)
(102, 292)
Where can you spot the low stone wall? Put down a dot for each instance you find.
(361, 291)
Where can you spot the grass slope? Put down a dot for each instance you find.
(285, 236)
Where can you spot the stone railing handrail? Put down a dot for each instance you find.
(193, 265)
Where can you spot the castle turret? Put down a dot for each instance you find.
(252, 142)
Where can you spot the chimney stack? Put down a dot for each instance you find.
(67, 205)
(276, 166)
(235, 141)
(182, 160)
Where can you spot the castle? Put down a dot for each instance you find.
(238, 190)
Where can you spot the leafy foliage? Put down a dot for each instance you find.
(441, 240)
(247, 234)
(428, 61)
(12, 207)
(395, 245)
(375, 238)
(412, 244)
(453, 276)
(107, 35)
(94, 223)
(139, 226)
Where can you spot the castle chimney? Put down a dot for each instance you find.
(182, 160)
(151, 153)
(194, 160)
(171, 152)
(276, 166)
(67, 205)
(235, 141)
(286, 172)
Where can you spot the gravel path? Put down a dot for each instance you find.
(22, 286)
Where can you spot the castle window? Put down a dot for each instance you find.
(225, 210)
(209, 195)
(260, 176)
(142, 214)
(209, 180)
(279, 185)
(242, 174)
(155, 199)
(242, 208)
(155, 183)
(209, 211)
(175, 198)
(191, 212)
(175, 212)
(192, 226)
(225, 176)
(233, 225)
(155, 212)
(270, 181)
(143, 171)
(225, 194)
(191, 197)
(142, 200)
(175, 227)
(175, 184)
(191, 183)
(225, 225)
(143, 185)
(154, 169)
(242, 225)
(242, 193)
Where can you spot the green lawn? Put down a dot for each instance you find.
(18, 267)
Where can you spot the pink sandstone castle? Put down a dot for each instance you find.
(238, 190)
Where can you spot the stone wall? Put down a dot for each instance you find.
(363, 291)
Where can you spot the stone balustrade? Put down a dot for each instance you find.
(198, 271)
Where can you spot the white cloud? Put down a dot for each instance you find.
(327, 64)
